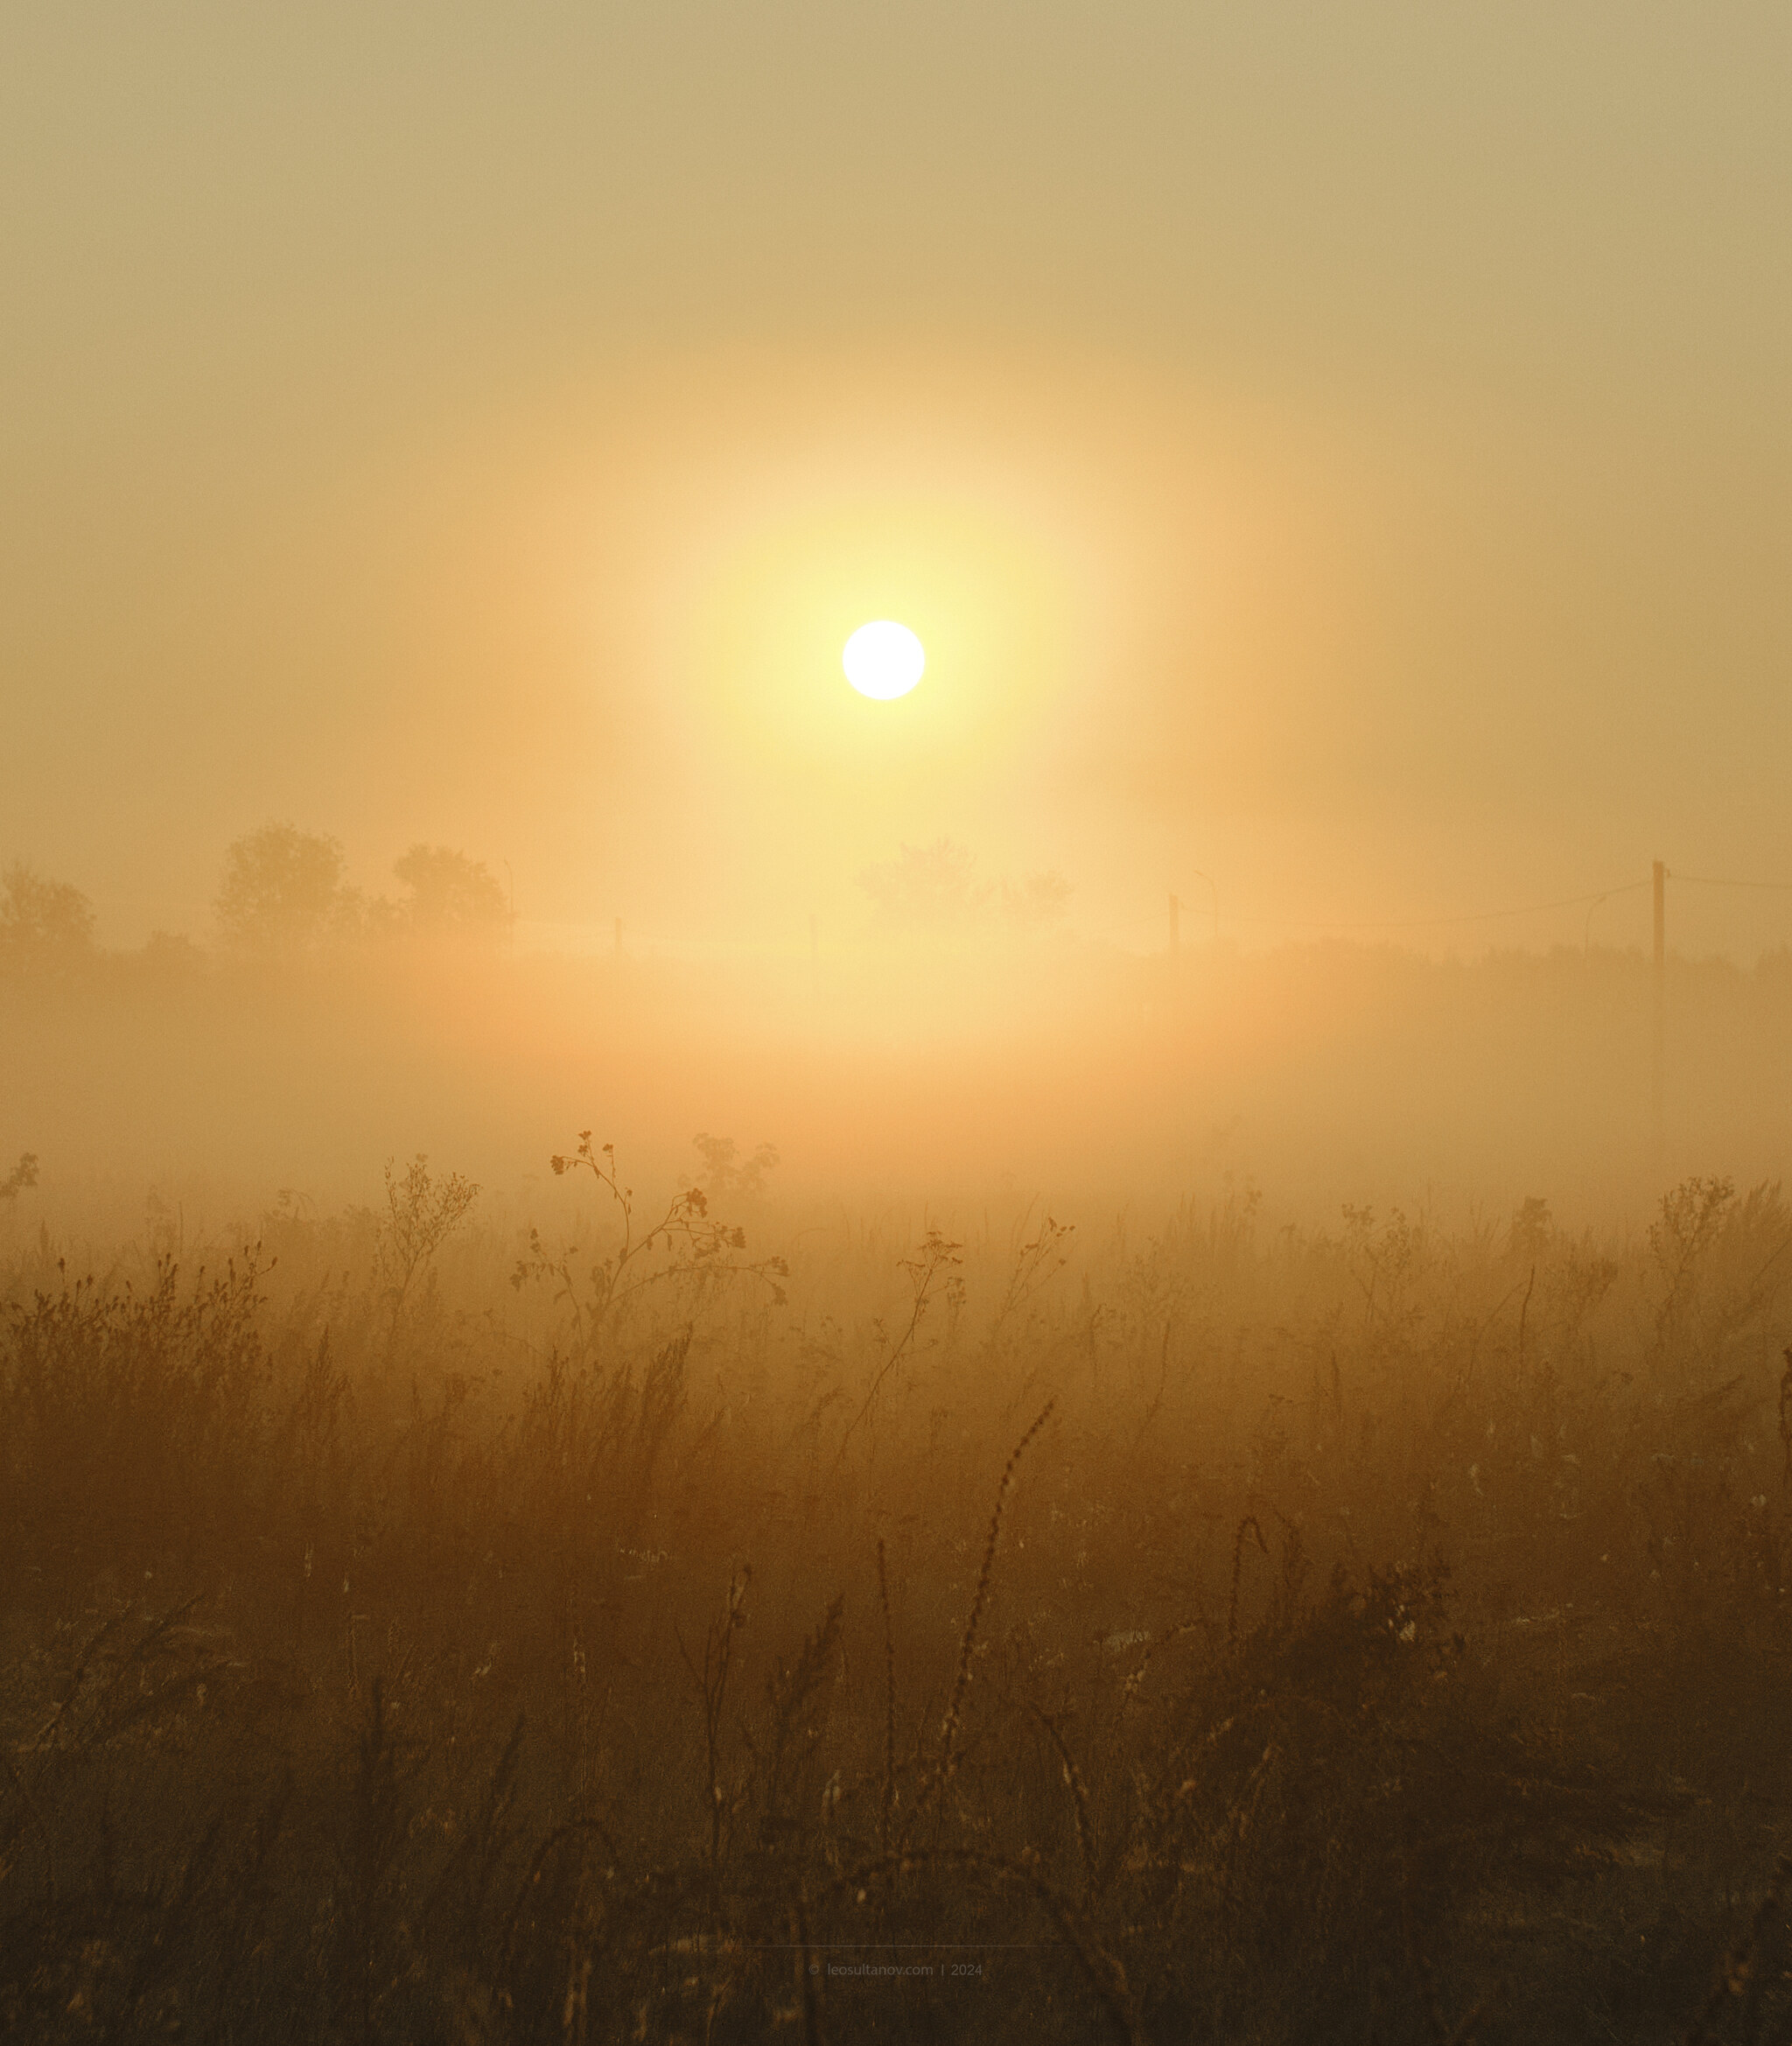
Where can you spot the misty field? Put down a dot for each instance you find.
(647, 1630)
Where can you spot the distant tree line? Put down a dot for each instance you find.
(937, 888)
(283, 892)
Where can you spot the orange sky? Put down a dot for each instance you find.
(1342, 450)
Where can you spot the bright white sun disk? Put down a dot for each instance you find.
(884, 659)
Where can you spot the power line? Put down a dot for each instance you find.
(1718, 881)
(1593, 900)
(1433, 922)
(1139, 925)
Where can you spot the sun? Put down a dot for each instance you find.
(884, 659)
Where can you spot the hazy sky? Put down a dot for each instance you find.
(1341, 449)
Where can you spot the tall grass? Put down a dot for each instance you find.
(1370, 1634)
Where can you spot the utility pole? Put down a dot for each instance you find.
(1661, 992)
(1175, 923)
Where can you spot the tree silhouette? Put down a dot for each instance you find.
(282, 891)
(42, 923)
(1038, 901)
(927, 887)
(452, 895)
(935, 888)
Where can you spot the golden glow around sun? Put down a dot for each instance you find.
(884, 659)
(759, 615)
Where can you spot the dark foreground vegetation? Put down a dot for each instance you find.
(411, 1634)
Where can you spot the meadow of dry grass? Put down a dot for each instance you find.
(415, 1629)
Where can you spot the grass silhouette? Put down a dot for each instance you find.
(1362, 1634)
